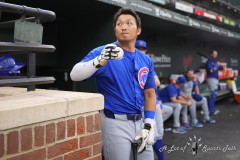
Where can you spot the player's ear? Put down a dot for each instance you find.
(139, 30)
(115, 32)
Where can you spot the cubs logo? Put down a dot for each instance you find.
(141, 43)
(142, 76)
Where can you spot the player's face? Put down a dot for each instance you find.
(142, 49)
(214, 54)
(190, 75)
(126, 28)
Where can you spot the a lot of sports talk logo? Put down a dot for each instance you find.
(195, 147)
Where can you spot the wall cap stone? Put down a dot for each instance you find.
(19, 107)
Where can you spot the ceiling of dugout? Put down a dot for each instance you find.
(74, 10)
(168, 29)
(233, 2)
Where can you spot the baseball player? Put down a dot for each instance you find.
(191, 91)
(125, 77)
(212, 66)
(171, 96)
(142, 46)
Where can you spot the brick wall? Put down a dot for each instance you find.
(49, 125)
(74, 138)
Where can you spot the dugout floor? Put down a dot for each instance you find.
(220, 141)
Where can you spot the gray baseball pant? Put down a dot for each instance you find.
(176, 112)
(192, 110)
(158, 123)
(117, 137)
(203, 103)
(167, 112)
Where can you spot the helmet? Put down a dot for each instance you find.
(181, 80)
(8, 66)
(141, 43)
(197, 97)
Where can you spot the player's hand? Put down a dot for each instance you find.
(188, 97)
(110, 52)
(146, 135)
(189, 103)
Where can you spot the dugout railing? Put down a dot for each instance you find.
(27, 39)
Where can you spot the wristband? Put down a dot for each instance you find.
(149, 114)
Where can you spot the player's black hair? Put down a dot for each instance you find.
(190, 69)
(129, 11)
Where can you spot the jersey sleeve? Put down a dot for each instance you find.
(194, 84)
(90, 56)
(171, 91)
(155, 74)
(217, 66)
(178, 92)
(209, 65)
(150, 83)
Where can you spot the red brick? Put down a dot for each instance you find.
(80, 125)
(34, 155)
(12, 142)
(39, 136)
(26, 139)
(50, 133)
(1, 145)
(89, 123)
(79, 155)
(97, 158)
(97, 122)
(71, 127)
(61, 148)
(90, 139)
(61, 130)
(97, 149)
(59, 158)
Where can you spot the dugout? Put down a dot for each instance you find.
(83, 25)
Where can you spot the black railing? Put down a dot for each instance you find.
(26, 42)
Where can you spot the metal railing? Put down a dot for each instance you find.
(25, 44)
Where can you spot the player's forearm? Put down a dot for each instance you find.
(185, 96)
(157, 81)
(181, 101)
(83, 70)
(197, 90)
(150, 104)
(150, 99)
(149, 110)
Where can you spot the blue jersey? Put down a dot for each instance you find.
(122, 82)
(211, 64)
(169, 92)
